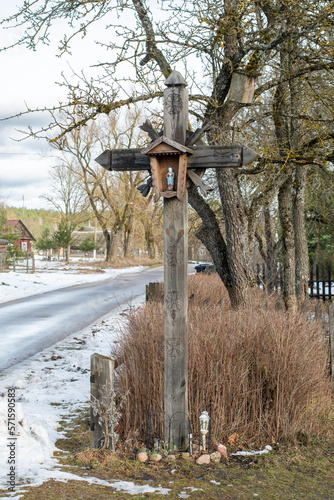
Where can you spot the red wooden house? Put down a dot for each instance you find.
(24, 236)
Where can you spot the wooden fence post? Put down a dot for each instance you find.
(154, 291)
(331, 339)
(101, 374)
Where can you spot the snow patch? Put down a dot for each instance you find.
(48, 387)
(51, 276)
(266, 449)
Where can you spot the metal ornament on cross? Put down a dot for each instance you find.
(176, 148)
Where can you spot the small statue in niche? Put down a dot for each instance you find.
(170, 179)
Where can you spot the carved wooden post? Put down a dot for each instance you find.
(101, 374)
(173, 150)
(176, 275)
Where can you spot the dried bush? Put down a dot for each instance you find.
(109, 414)
(265, 373)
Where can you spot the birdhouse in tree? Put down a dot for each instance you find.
(242, 88)
(168, 160)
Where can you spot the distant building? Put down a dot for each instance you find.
(197, 252)
(95, 234)
(24, 236)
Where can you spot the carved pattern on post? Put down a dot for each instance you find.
(175, 347)
(173, 210)
(174, 253)
(171, 255)
(174, 104)
(174, 301)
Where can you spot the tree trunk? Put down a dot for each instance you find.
(302, 267)
(241, 272)
(267, 249)
(107, 238)
(149, 240)
(115, 239)
(126, 240)
(232, 259)
(209, 234)
(270, 259)
(286, 219)
(285, 131)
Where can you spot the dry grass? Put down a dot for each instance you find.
(89, 456)
(265, 372)
(87, 270)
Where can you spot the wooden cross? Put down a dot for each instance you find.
(174, 149)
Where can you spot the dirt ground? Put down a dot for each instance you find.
(304, 470)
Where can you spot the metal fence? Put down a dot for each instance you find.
(320, 283)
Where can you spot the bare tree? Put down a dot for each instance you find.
(112, 196)
(225, 39)
(69, 200)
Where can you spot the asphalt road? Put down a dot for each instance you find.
(29, 325)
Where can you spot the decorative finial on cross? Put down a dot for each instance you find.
(175, 79)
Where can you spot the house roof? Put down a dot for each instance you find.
(18, 222)
(12, 222)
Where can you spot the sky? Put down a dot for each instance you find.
(30, 77)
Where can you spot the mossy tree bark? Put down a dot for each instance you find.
(301, 249)
(288, 252)
(241, 281)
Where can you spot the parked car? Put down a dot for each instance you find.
(205, 267)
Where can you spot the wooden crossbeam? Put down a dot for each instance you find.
(203, 157)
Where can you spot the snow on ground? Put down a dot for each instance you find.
(266, 449)
(51, 276)
(54, 384)
(49, 387)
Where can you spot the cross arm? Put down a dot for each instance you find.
(198, 181)
(124, 159)
(193, 137)
(203, 157)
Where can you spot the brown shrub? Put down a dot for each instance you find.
(265, 373)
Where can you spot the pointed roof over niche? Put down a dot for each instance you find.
(175, 79)
(18, 225)
(165, 145)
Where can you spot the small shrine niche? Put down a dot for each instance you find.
(166, 154)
